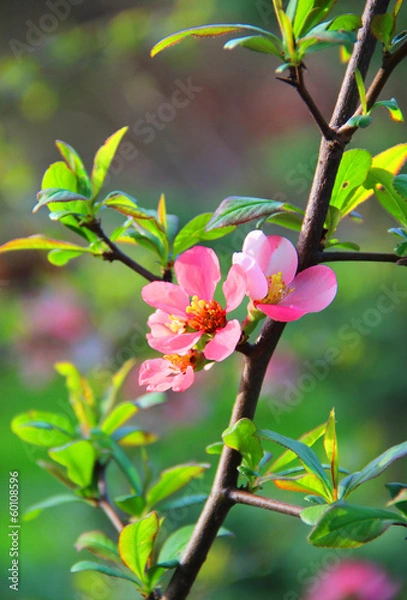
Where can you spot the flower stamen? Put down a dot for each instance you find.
(277, 290)
(206, 316)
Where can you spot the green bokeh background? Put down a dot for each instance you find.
(80, 77)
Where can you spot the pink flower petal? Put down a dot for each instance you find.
(234, 287)
(175, 343)
(183, 381)
(158, 323)
(281, 313)
(155, 375)
(224, 342)
(257, 246)
(283, 258)
(314, 290)
(257, 286)
(159, 376)
(198, 272)
(166, 296)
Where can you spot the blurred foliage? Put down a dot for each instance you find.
(243, 133)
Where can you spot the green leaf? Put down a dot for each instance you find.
(325, 39)
(392, 107)
(257, 43)
(118, 380)
(133, 436)
(372, 470)
(313, 514)
(41, 242)
(352, 173)
(103, 159)
(237, 210)
(60, 196)
(346, 22)
(174, 546)
(306, 484)
(242, 436)
(390, 199)
(287, 219)
(59, 258)
(383, 28)
(184, 502)
(34, 510)
(99, 544)
(303, 9)
(59, 176)
(348, 526)
(361, 121)
(398, 493)
(80, 394)
(79, 459)
(133, 504)
(136, 544)
(335, 243)
(195, 231)
(391, 160)
(119, 415)
(151, 399)
(331, 448)
(361, 89)
(42, 428)
(206, 31)
(57, 472)
(87, 565)
(333, 218)
(215, 448)
(121, 459)
(317, 13)
(75, 164)
(306, 455)
(173, 479)
(288, 456)
(400, 185)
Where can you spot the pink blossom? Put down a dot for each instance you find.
(354, 579)
(187, 314)
(270, 264)
(171, 372)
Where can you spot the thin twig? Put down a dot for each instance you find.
(110, 513)
(242, 497)
(325, 257)
(390, 62)
(326, 130)
(116, 254)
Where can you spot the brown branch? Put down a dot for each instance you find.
(115, 253)
(255, 365)
(242, 497)
(111, 515)
(299, 84)
(331, 152)
(390, 62)
(325, 257)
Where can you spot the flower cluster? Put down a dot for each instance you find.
(191, 329)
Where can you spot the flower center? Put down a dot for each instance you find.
(206, 316)
(181, 363)
(277, 290)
